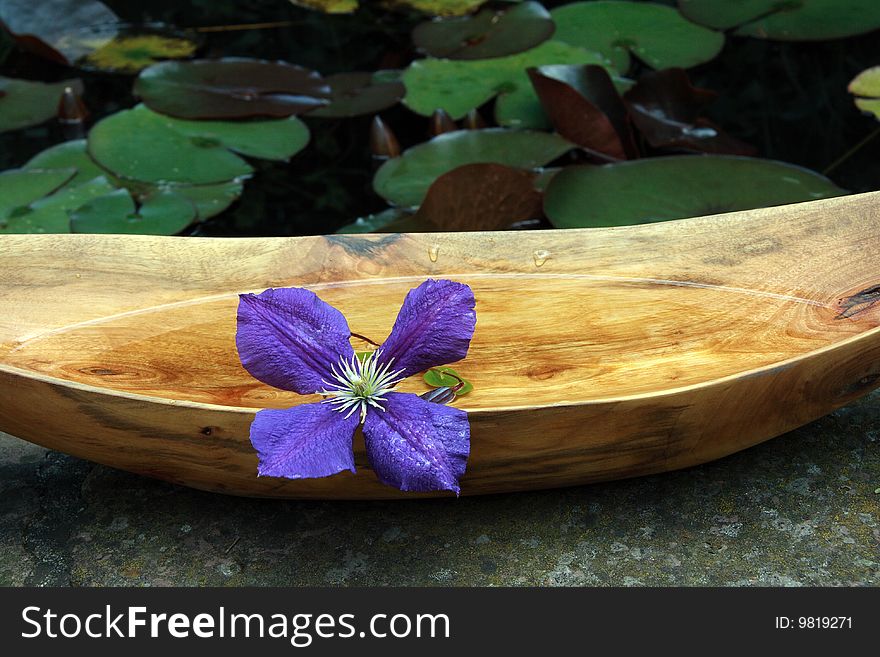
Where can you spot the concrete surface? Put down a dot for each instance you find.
(803, 509)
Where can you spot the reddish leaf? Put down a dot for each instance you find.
(480, 197)
(585, 108)
(666, 108)
(230, 88)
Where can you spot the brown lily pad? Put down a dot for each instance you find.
(585, 108)
(489, 33)
(666, 109)
(231, 88)
(480, 196)
(355, 94)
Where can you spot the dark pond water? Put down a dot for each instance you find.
(788, 99)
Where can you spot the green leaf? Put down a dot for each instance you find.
(209, 200)
(405, 180)
(787, 20)
(664, 188)
(458, 86)
(867, 84)
(20, 188)
(24, 103)
(69, 154)
(164, 213)
(141, 145)
(438, 377)
(51, 214)
(656, 34)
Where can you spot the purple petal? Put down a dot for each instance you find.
(312, 440)
(434, 327)
(417, 445)
(289, 338)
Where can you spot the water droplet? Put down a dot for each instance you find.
(433, 252)
(540, 257)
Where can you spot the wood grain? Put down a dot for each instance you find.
(598, 354)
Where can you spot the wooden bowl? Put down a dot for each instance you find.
(598, 354)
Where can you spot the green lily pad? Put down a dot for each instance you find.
(787, 20)
(164, 213)
(458, 86)
(68, 154)
(141, 145)
(439, 377)
(355, 94)
(658, 35)
(51, 214)
(19, 188)
(867, 85)
(489, 33)
(405, 180)
(664, 188)
(209, 200)
(24, 103)
(230, 88)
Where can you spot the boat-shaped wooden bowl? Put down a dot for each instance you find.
(598, 354)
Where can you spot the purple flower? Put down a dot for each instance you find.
(291, 339)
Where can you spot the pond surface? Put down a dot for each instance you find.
(788, 99)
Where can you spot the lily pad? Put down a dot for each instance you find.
(49, 27)
(68, 154)
(489, 33)
(230, 88)
(480, 197)
(19, 187)
(329, 6)
(585, 108)
(658, 35)
(787, 20)
(442, 7)
(405, 180)
(131, 53)
(24, 103)
(354, 94)
(666, 108)
(141, 145)
(867, 85)
(209, 200)
(459, 86)
(51, 214)
(164, 213)
(664, 188)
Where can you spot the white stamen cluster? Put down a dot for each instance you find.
(358, 384)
